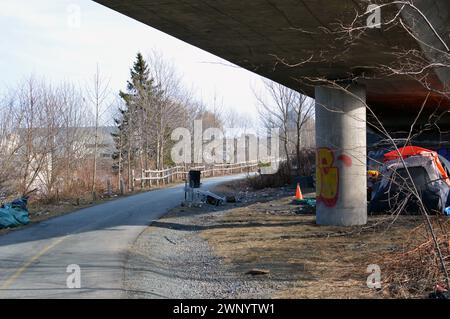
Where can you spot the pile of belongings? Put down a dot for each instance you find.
(306, 205)
(430, 175)
(14, 214)
(210, 198)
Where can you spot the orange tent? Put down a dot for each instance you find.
(416, 150)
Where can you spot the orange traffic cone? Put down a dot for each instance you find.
(298, 193)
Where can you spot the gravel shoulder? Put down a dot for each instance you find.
(171, 260)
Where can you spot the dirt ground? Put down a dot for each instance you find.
(265, 232)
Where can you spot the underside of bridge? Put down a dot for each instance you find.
(303, 45)
(298, 42)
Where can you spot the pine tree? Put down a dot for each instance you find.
(132, 136)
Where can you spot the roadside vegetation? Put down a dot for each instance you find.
(67, 146)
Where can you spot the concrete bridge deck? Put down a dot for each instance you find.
(260, 34)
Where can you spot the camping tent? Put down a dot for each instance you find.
(408, 151)
(430, 177)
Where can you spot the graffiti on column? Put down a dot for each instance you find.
(328, 175)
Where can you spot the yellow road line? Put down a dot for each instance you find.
(25, 266)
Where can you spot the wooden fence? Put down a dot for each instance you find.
(156, 178)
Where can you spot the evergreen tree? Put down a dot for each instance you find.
(132, 135)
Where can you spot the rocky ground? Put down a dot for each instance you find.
(171, 260)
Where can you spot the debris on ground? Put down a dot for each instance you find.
(170, 241)
(195, 197)
(15, 213)
(257, 272)
(306, 205)
(230, 199)
(440, 293)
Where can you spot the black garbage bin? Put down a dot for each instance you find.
(194, 179)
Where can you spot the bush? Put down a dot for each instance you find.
(280, 178)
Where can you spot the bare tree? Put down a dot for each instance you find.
(98, 95)
(168, 106)
(281, 107)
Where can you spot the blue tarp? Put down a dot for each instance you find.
(14, 214)
(447, 211)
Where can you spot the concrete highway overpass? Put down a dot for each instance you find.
(294, 42)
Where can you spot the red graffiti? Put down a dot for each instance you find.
(345, 159)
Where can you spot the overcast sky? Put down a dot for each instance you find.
(42, 38)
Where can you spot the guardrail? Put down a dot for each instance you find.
(156, 178)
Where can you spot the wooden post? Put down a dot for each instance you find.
(122, 187)
(142, 178)
(133, 178)
(108, 187)
(149, 179)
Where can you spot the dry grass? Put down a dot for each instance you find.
(415, 269)
(317, 261)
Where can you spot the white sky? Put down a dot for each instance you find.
(39, 38)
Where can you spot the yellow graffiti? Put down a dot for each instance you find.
(327, 177)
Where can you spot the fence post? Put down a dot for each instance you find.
(108, 187)
(122, 187)
(157, 178)
(142, 179)
(133, 178)
(149, 179)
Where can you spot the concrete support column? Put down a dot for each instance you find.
(341, 172)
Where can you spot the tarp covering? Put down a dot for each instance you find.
(14, 214)
(395, 185)
(408, 151)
